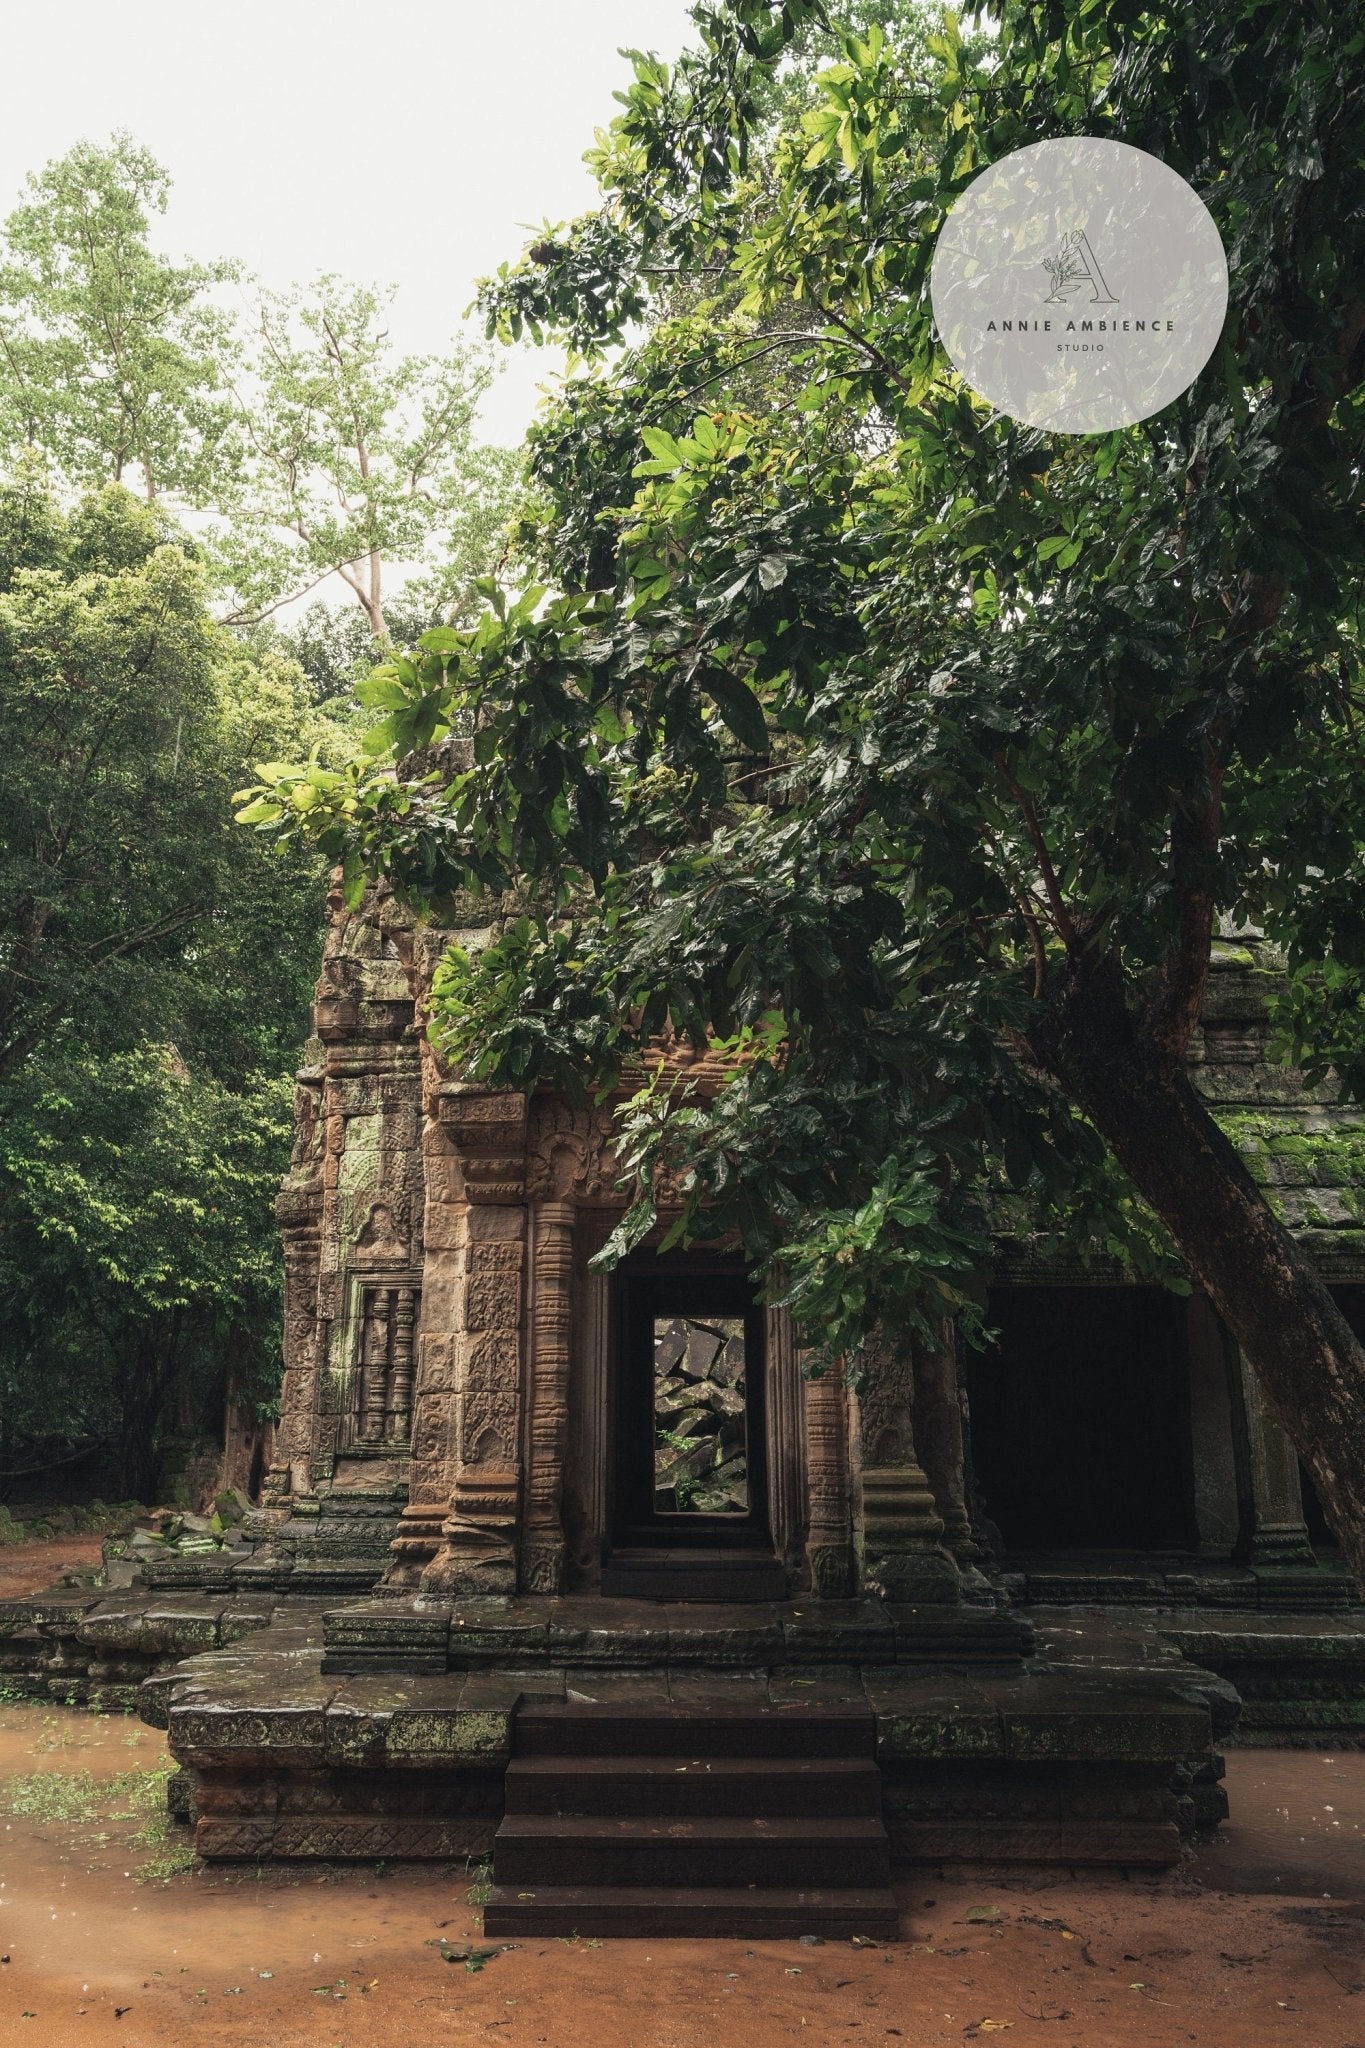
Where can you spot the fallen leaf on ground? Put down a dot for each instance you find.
(472, 1958)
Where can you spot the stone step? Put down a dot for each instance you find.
(720, 1913)
(694, 1731)
(578, 1849)
(669, 1785)
(694, 1574)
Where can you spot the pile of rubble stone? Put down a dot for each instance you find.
(158, 1533)
(700, 1466)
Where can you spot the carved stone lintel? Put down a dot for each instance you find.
(568, 1153)
(488, 1130)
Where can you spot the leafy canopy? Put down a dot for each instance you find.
(856, 727)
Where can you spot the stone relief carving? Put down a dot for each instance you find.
(385, 1237)
(886, 1402)
(569, 1154)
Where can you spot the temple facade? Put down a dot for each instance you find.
(583, 1572)
(469, 1407)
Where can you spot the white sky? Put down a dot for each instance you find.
(391, 142)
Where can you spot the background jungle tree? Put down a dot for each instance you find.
(154, 982)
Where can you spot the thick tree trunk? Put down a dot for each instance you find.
(147, 1374)
(1278, 1309)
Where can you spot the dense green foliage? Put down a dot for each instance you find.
(893, 743)
(359, 458)
(154, 984)
(155, 963)
(292, 417)
(110, 355)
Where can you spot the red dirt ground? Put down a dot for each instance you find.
(30, 1567)
(1258, 1941)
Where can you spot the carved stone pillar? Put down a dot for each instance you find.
(939, 1442)
(552, 1249)
(298, 1210)
(1215, 1378)
(398, 1407)
(901, 1551)
(830, 1542)
(463, 1515)
(374, 1365)
(432, 1475)
(1274, 1536)
(788, 1483)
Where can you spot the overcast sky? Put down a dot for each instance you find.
(392, 142)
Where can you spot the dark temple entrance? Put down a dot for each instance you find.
(689, 1493)
(1080, 1418)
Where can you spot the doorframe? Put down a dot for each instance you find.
(679, 1284)
(796, 1465)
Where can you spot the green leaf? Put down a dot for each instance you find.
(739, 708)
(663, 447)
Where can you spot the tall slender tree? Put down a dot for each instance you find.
(112, 357)
(364, 459)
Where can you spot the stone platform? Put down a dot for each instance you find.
(1300, 1678)
(588, 1631)
(988, 1763)
(1312, 1584)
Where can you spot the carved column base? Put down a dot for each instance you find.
(831, 1570)
(477, 1551)
(542, 1567)
(276, 1492)
(417, 1542)
(1286, 1570)
(959, 1540)
(1281, 1546)
(902, 1546)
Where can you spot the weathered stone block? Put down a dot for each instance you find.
(492, 1301)
(1101, 1725)
(481, 1631)
(178, 1631)
(242, 1620)
(117, 1624)
(855, 1631)
(495, 1239)
(436, 1366)
(925, 1718)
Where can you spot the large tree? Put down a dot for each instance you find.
(321, 450)
(911, 752)
(111, 355)
(364, 461)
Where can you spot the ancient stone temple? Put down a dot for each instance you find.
(584, 1571)
(471, 1408)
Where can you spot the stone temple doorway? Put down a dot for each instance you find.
(688, 1511)
(1081, 1420)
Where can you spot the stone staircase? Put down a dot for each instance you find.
(744, 1821)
